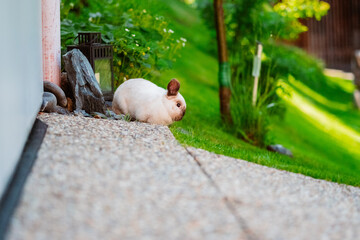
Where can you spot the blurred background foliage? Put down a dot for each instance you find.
(270, 22)
(143, 42)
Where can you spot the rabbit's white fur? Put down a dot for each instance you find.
(146, 102)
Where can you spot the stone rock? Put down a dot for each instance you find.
(82, 113)
(84, 86)
(61, 110)
(57, 91)
(111, 115)
(49, 102)
(280, 149)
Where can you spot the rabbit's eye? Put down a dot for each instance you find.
(178, 104)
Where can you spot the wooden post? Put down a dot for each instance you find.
(51, 40)
(256, 72)
(224, 67)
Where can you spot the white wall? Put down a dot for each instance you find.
(20, 78)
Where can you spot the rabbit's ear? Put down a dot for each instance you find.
(173, 87)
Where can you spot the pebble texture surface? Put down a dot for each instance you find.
(107, 179)
(280, 205)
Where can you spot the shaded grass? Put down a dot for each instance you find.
(318, 152)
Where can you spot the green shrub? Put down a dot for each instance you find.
(143, 42)
(278, 62)
(251, 123)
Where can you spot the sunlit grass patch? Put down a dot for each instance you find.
(317, 133)
(298, 85)
(344, 135)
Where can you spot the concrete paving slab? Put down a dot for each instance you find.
(280, 205)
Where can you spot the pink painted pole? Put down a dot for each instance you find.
(51, 40)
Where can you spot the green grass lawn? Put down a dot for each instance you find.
(320, 125)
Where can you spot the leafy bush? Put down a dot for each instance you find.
(278, 62)
(250, 122)
(143, 43)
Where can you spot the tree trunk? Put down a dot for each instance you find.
(224, 67)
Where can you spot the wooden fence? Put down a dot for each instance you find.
(335, 38)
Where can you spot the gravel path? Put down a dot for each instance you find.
(106, 179)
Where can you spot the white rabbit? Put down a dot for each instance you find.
(146, 102)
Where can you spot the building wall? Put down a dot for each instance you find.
(20, 79)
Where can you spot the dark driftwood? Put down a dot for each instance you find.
(57, 91)
(86, 89)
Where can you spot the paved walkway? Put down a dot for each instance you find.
(106, 179)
